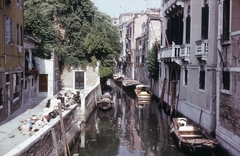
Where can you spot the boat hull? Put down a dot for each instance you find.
(191, 139)
(194, 149)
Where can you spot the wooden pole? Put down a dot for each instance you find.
(66, 148)
(54, 141)
(177, 104)
(162, 93)
(172, 95)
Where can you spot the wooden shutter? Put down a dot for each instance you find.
(7, 29)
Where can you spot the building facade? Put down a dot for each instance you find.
(12, 56)
(31, 77)
(228, 76)
(188, 58)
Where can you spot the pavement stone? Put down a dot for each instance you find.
(10, 136)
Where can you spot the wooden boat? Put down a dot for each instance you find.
(143, 92)
(190, 138)
(130, 84)
(104, 103)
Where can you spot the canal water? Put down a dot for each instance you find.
(129, 129)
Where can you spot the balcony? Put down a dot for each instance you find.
(201, 50)
(171, 4)
(185, 53)
(31, 72)
(171, 54)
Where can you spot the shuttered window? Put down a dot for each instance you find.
(9, 27)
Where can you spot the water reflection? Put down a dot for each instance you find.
(131, 128)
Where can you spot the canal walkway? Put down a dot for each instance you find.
(10, 136)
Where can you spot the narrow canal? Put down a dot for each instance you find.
(126, 130)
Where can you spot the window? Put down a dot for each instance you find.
(9, 27)
(185, 76)
(15, 86)
(143, 59)
(188, 28)
(202, 79)
(226, 18)
(226, 80)
(26, 84)
(205, 14)
(7, 78)
(1, 98)
(18, 37)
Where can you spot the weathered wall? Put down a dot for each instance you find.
(229, 106)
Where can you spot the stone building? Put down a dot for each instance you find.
(228, 76)
(12, 56)
(150, 34)
(188, 58)
(131, 27)
(30, 88)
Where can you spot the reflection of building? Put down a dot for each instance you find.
(189, 53)
(12, 57)
(228, 74)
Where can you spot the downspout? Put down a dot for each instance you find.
(4, 13)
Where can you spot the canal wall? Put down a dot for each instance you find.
(50, 139)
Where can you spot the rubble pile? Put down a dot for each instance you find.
(36, 122)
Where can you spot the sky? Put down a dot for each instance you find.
(114, 8)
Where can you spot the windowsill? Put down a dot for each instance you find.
(224, 91)
(226, 42)
(1, 107)
(16, 99)
(202, 90)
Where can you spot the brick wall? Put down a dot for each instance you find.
(229, 106)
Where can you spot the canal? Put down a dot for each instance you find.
(126, 130)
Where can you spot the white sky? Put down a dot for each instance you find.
(115, 7)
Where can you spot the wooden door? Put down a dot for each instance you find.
(79, 79)
(43, 82)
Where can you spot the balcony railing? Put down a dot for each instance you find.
(201, 49)
(171, 54)
(185, 52)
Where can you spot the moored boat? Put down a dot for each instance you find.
(190, 138)
(143, 92)
(105, 103)
(129, 84)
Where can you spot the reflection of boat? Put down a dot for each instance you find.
(143, 92)
(191, 138)
(130, 84)
(105, 115)
(105, 102)
(143, 104)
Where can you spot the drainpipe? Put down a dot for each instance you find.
(4, 13)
